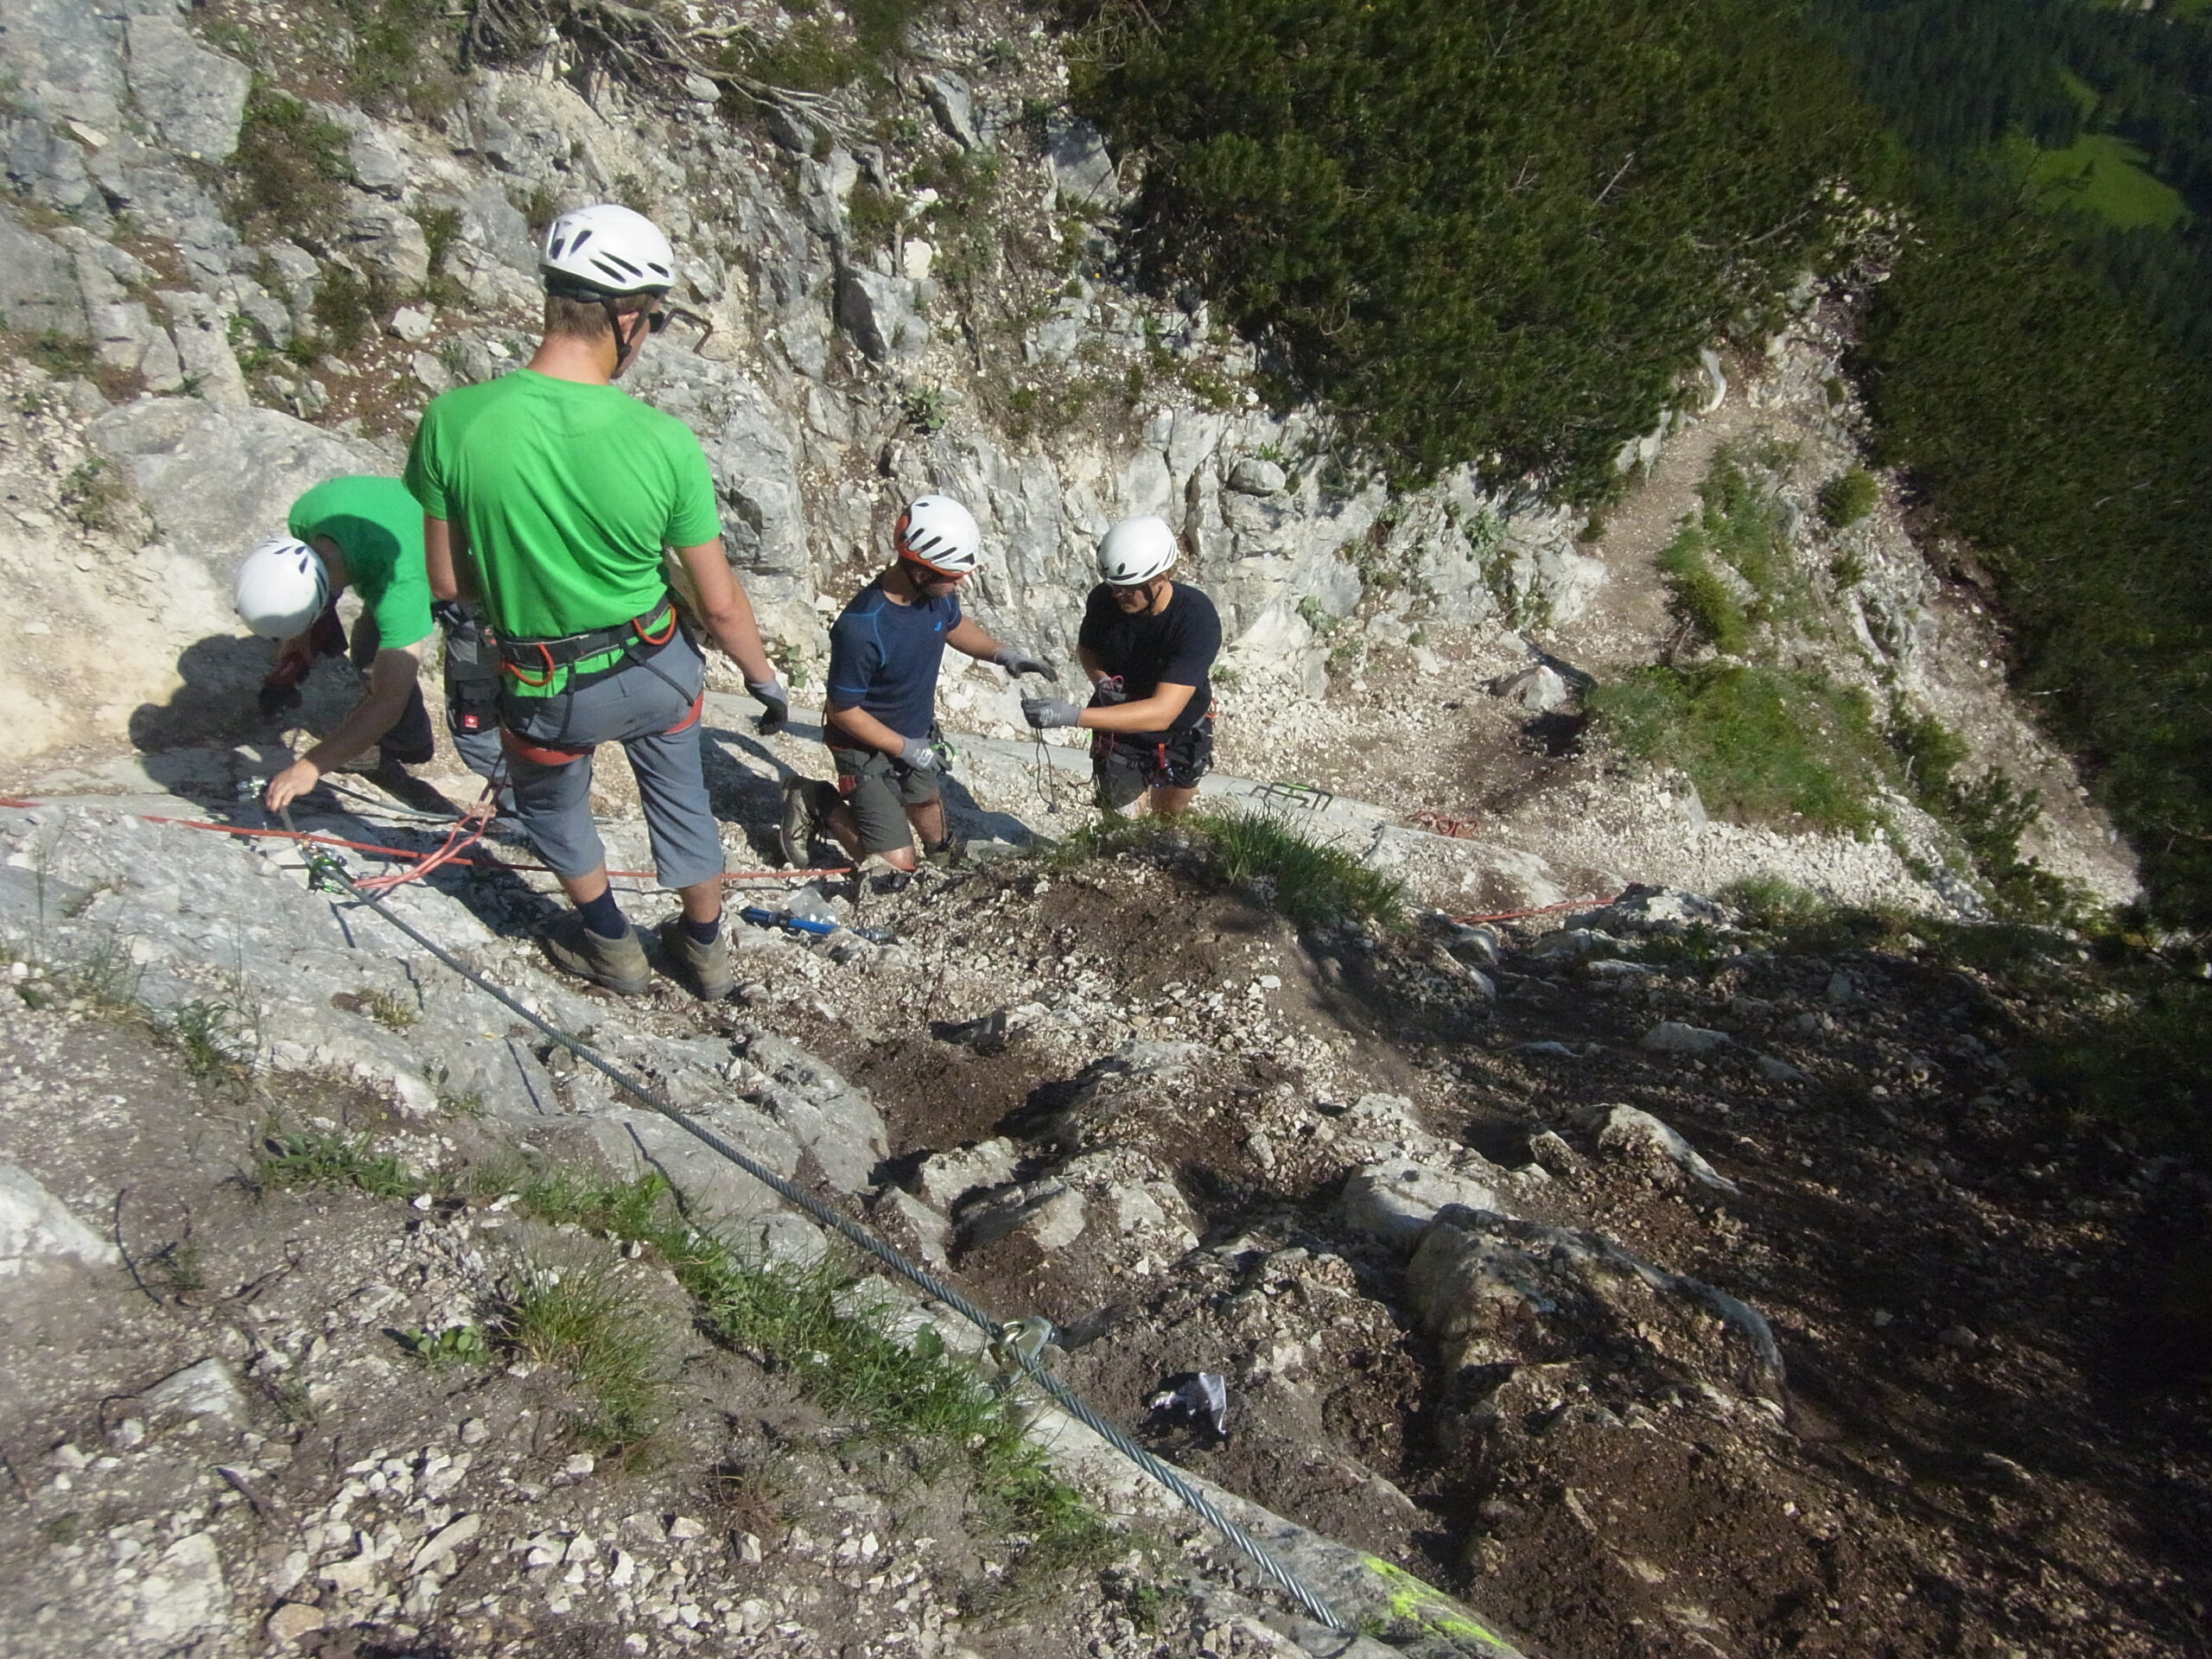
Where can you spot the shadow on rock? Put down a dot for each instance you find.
(215, 703)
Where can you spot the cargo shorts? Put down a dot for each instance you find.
(879, 790)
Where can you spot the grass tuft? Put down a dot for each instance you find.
(1762, 745)
(580, 1319)
(801, 1319)
(320, 1158)
(1306, 879)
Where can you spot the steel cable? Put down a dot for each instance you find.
(325, 866)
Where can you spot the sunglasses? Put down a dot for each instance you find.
(657, 322)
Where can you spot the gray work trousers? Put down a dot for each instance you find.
(647, 707)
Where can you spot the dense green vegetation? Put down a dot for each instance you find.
(2106, 102)
(1762, 745)
(1492, 234)
(2073, 446)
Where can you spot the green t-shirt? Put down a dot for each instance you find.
(568, 493)
(378, 527)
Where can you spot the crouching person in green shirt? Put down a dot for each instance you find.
(554, 498)
(365, 533)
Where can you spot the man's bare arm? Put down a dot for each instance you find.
(391, 678)
(726, 610)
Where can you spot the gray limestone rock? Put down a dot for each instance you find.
(954, 107)
(1654, 910)
(37, 1231)
(1631, 1130)
(1049, 1211)
(219, 479)
(1396, 1201)
(1252, 476)
(39, 289)
(1084, 179)
(126, 337)
(208, 1391)
(192, 97)
(879, 312)
(948, 1177)
(200, 328)
(1494, 1290)
(182, 1593)
(1673, 1037)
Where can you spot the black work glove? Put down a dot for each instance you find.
(277, 696)
(775, 705)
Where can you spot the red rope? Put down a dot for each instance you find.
(1541, 910)
(442, 854)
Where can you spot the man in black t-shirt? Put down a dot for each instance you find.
(1148, 644)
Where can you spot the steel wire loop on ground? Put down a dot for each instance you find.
(324, 866)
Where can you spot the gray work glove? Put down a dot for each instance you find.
(1106, 692)
(1018, 662)
(1045, 713)
(918, 755)
(775, 705)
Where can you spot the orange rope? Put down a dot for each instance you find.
(402, 852)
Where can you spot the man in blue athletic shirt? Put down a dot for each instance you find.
(880, 712)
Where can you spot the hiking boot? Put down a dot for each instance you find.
(949, 856)
(618, 964)
(708, 964)
(802, 821)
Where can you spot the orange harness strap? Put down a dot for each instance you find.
(546, 755)
(538, 754)
(698, 707)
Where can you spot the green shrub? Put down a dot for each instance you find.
(346, 307)
(2051, 426)
(1929, 752)
(1444, 230)
(1762, 745)
(874, 215)
(1848, 498)
(440, 236)
(406, 56)
(288, 171)
(1772, 902)
(1698, 598)
(1991, 815)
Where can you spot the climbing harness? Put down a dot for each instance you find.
(1020, 1343)
(522, 658)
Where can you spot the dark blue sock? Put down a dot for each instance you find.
(603, 916)
(703, 932)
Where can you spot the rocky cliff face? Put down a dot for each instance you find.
(873, 336)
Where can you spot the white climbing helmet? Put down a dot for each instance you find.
(1135, 550)
(940, 534)
(282, 588)
(605, 250)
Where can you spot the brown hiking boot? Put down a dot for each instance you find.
(708, 964)
(618, 964)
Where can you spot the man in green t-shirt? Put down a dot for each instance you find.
(556, 498)
(365, 533)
